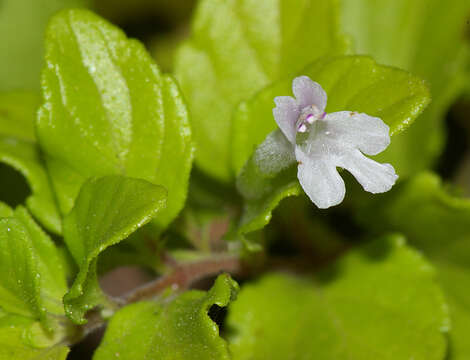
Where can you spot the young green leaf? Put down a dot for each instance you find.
(22, 24)
(409, 35)
(108, 110)
(353, 83)
(50, 264)
(378, 302)
(24, 156)
(19, 288)
(175, 329)
(437, 223)
(33, 280)
(107, 211)
(263, 194)
(237, 48)
(13, 344)
(17, 114)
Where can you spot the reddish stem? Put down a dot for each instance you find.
(183, 276)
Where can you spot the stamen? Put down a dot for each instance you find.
(310, 119)
(322, 116)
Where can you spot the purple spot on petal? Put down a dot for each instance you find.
(323, 115)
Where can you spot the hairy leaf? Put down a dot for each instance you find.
(178, 328)
(108, 110)
(20, 289)
(33, 279)
(13, 344)
(426, 37)
(237, 48)
(107, 211)
(378, 302)
(437, 223)
(353, 83)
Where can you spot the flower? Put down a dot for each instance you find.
(322, 142)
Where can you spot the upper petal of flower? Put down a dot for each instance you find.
(286, 114)
(308, 92)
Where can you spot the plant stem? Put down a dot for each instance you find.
(180, 278)
(183, 276)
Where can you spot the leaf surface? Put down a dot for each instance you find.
(437, 223)
(178, 328)
(427, 38)
(33, 279)
(18, 149)
(237, 48)
(108, 110)
(107, 211)
(24, 156)
(13, 345)
(378, 302)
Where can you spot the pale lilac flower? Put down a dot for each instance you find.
(321, 143)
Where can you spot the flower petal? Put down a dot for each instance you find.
(367, 133)
(373, 176)
(308, 92)
(320, 180)
(274, 154)
(286, 114)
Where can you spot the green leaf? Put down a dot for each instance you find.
(355, 83)
(107, 211)
(20, 289)
(178, 328)
(33, 279)
(24, 156)
(17, 114)
(237, 48)
(5, 210)
(427, 38)
(18, 150)
(437, 223)
(263, 194)
(13, 346)
(177, 153)
(50, 264)
(108, 110)
(378, 302)
(22, 24)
